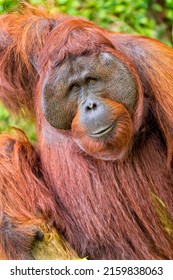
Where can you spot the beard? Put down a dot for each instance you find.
(107, 208)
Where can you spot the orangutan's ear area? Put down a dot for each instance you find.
(94, 96)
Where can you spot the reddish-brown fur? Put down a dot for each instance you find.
(106, 210)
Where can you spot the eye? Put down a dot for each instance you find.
(74, 87)
(91, 81)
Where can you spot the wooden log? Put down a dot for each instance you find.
(52, 247)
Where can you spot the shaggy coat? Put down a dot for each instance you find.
(105, 209)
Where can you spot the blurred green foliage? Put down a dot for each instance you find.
(7, 121)
(148, 17)
(153, 18)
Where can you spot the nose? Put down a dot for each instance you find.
(91, 105)
(93, 112)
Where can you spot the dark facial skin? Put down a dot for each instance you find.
(81, 85)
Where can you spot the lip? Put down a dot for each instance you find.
(103, 131)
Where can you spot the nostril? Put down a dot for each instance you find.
(91, 106)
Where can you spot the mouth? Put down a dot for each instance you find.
(102, 131)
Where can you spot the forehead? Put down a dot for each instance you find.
(95, 63)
